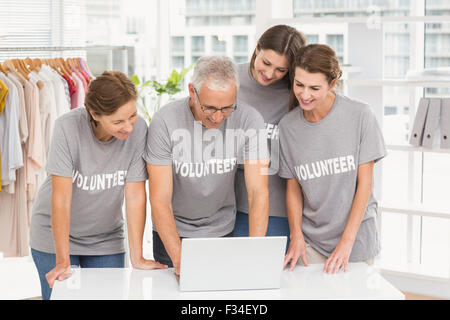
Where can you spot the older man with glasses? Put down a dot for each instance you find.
(194, 146)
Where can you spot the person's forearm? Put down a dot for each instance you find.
(358, 211)
(294, 208)
(295, 222)
(136, 228)
(258, 212)
(164, 222)
(61, 230)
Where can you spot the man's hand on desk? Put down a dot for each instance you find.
(144, 264)
(297, 249)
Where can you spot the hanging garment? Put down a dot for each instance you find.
(61, 90)
(3, 93)
(79, 95)
(23, 124)
(71, 85)
(14, 218)
(10, 136)
(26, 125)
(35, 151)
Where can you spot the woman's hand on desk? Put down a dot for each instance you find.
(60, 272)
(144, 264)
(297, 249)
(339, 257)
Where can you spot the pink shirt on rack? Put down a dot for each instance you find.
(77, 100)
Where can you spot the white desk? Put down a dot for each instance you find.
(361, 282)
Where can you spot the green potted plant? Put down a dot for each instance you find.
(147, 89)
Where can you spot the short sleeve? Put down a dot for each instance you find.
(372, 146)
(137, 170)
(255, 138)
(59, 161)
(158, 150)
(284, 170)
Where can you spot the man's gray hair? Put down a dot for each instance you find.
(219, 72)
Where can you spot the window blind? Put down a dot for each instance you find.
(41, 23)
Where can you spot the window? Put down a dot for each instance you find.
(178, 62)
(220, 12)
(218, 46)
(198, 44)
(350, 8)
(177, 44)
(336, 41)
(135, 25)
(240, 44)
(240, 59)
(388, 110)
(312, 38)
(41, 23)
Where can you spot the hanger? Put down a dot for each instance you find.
(71, 64)
(37, 63)
(25, 71)
(9, 66)
(86, 66)
(53, 63)
(18, 68)
(64, 68)
(29, 63)
(24, 66)
(2, 70)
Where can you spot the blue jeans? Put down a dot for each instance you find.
(47, 261)
(278, 226)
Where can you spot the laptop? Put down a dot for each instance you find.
(216, 264)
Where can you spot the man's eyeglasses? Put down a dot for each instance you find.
(209, 110)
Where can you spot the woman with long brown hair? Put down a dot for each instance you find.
(265, 85)
(94, 162)
(329, 145)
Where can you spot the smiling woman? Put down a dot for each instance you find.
(329, 144)
(111, 103)
(265, 85)
(95, 158)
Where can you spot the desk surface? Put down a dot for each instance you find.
(360, 282)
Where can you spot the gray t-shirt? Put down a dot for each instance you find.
(204, 163)
(272, 102)
(324, 158)
(99, 171)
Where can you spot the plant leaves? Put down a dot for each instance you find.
(135, 80)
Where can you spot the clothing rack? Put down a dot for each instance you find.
(16, 49)
(28, 133)
(123, 50)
